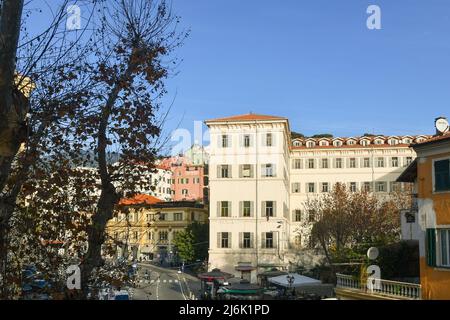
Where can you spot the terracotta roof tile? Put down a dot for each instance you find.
(140, 199)
(445, 136)
(248, 117)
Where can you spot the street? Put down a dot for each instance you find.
(164, 284)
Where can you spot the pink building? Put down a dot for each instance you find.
(187, 178)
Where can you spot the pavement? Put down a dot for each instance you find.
(165, 284)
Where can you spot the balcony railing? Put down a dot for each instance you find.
(389, 288)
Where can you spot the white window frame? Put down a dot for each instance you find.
(439, 247)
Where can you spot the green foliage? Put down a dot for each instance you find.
(322, 135)
(184, 242)
(295, 135)
(192, 244)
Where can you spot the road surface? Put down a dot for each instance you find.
(164, 284)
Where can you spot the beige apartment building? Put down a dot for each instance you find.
(260, 179)
(148, 225)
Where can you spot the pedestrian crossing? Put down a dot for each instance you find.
(153, 281)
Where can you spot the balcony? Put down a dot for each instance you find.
(350, 287)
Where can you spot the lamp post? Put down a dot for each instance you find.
(290, 280)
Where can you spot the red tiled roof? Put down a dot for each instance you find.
(445, 136)
(354, 146)
(247, 117)
(140, 199)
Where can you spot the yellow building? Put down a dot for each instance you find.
(146, 226)
(431, 173)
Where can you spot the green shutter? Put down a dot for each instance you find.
(431, 247)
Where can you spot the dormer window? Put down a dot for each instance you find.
(393, 142)
(323, 143)
(365, 143)
(419, 140)
(337, 143)
(351, 142)
(379, 141)
(297, 144)
(407, 141)
(310, 144)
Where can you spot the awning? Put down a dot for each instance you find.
(297, 280)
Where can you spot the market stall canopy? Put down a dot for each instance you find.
(215, 274)
(298, 280)
(241, 287)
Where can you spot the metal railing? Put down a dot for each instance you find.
(389, 288)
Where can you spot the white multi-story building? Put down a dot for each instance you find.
(260, 180)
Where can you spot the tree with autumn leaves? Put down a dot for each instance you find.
(345, 224)
(95, 95)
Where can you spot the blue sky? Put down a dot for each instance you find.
(314, 62)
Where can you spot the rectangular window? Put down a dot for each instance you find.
(178, 216)
(442, 175)
(408, 161)
(339, 163)
(381, 186)
(224, 171)
(296, 187)
(246, 171)
(269, 140)
(297, 215)
(366, 163)
(311, 187)
(225, 141)
(162, 216)
(353, 187)
(224, 209)
(325, 163)
(297, 164)
(380, 162)
(352, 162)
(247, 141)
(268, 240)
(367, 187)
(184, 192)
(268, 170)
(444, 247)
(224, 240)
(394, 162)
(246, 209)
(247, 240)
(269, 208)
(311, 163)
(163, 235)
(325, 187)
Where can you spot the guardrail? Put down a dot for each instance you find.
(384, 287)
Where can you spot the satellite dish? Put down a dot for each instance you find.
(442, 125)
(373, 253)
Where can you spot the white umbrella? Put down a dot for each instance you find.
(298, 280)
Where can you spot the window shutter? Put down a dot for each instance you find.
(251, 171)
(230, 173)
(241, 208)
(274, 170)
(274, 208)
(241, 245)
(230, 211)
(241, 168)
(219, 172)
(431, 247)
(241, 140)
(275, 239)
(219, 245)
(252, 239)
(219, 209)
(219, 140)
(263, 209)
(230, 243)
(274, 140)
(251, 209)
(263, 240)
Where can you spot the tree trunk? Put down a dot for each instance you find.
(11, 110)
